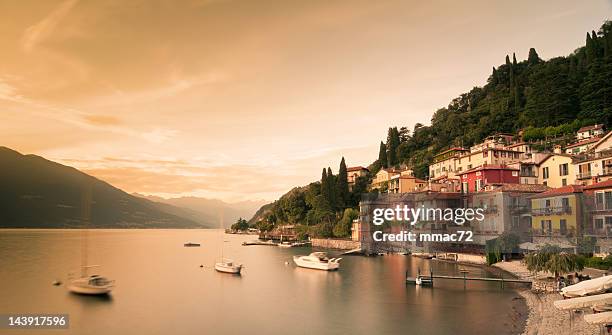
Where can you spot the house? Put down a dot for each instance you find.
(444, 163)
(355, 172)
(507, 208)
(474, 180)
(599, 204)
(581, 146)
(557, 215)
(557, 170)
(594, 167)
(405, 183)
(604, 143)
(383, 177)
(589, 131)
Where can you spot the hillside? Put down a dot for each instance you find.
(207, 210)
(544, 101)
(38, 193)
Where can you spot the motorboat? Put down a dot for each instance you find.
(191, 244)
(228, 266)
(318, 261)
(285, 245)
(91, 285)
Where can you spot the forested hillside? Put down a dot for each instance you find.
(542, 100)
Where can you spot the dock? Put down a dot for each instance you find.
(464, 277)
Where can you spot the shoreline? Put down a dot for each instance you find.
(543, 318)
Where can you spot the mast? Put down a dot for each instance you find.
(85, 220)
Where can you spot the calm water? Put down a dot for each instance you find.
(162, 290)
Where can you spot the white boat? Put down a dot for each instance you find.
(228, 266)
(88, 284)
(285, 245)
(92, 285)
(318, 261)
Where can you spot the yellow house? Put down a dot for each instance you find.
(405, 184)
(557, 213)
(557, 170)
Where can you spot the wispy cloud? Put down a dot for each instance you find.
(36, 33)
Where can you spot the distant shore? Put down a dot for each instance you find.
(544, 318)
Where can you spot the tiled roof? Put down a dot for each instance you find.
(524, 188)
(488, 167)
(602, 184)
(592, 127)
(356, 168)
(588, 141)
(569, 189)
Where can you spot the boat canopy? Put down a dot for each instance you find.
(583, 302)
(598, 318)
(588, 287)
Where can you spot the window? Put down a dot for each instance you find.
(478, 185)
(565, 203)
(515, 222)
(599, 223)
(545, 173)
(563, 169)
(546, 226)
(564, 182)
(545, 183)
(514, 173)
(464, 187)
(547, 203)
(469, 166)
(563, 226)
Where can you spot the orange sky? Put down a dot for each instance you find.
(245, 99)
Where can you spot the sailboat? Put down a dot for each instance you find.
(226, 265)
(88, 284)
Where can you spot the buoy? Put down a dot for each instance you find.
(201, 265)
(57, 283)
(286, 263)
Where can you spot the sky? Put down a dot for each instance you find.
(243, 100)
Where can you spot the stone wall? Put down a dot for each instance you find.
(329, 243)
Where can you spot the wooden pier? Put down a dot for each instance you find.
(465, 278)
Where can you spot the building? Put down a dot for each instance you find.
(356, 231)
(383, 178)
(581, 146)
(476, 179)
(599, 197)
(557, 170)
(589, 131)
(445, 163)
(355, 172)
(594, 167)
(557, 215)
(507, 208)
(604, 143)
(401, 183)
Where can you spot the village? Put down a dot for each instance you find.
(562, 198)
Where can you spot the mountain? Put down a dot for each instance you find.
(38, 193)
(208, 210)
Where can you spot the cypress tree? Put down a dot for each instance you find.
(513, 59)
(331, 189)
(507, 60)
(393, 141)
(589, 49)
(343, 188)
(324, 186)
(382, 156)
(533, 57)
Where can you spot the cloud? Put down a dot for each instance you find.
(34, 34)
(102, 120)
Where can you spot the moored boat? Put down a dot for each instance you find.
(318, 261)
(191, 244)
(92, 285)
(228, 266)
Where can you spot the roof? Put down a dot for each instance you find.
(601, 140)
(585, 142)
(516, 144)
(553, 155)
(591, 127)
(603, 184)
(488, 167)
(452, 149)
(356, 168)
(523, 188)
(569, 189)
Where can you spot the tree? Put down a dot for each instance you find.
(343, 189)
(550, 258)
(382, 156)
(393, 141)
(533, 58)
(331, 189)
(240, 225)
(343, 227)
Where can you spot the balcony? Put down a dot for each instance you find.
(551, 211)
(584, 175)
(519, 209)
(606, 171)
(490, 209)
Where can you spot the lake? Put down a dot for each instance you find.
(161, 289)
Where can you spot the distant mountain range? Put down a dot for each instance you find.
(38, 193)
(209, 210)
